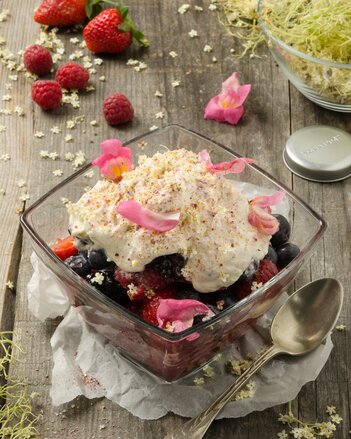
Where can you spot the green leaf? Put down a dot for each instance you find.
(93, 8)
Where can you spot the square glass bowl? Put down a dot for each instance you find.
(169, 356)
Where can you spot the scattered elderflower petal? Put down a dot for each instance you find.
(336, 419)
(79, 160)
(160, 115)
(74, 40)
(64, 200)
(39, 134)
(214, 59)
(2, 191)
(21, 183)
(153, 128)
(57, 172)
(208, 371)
(176, 83)
(19, 111)
(340, 328)
(24, 197)
(68, 138)
(55, 129)
(53, 156)
(5, 157)
(330, 410)
(102, 78)
(98, 61)
(94, 123)
(98, 278)
(3, 128)
(44, 154)
(9, 284)
(173, 54)
(158, 94)
(89, 88)
(247, 392)
(199, 381)
(193, 33)
(198, 8)
(208, 48)
(68, 157)
(212, 7)
(282, 435)
(183, 8)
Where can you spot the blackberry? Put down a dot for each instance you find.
(108, 286)
(98, 260)
(169, 266)
(79, 263)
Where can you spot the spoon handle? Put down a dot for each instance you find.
(196, 427)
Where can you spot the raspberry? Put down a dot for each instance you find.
(266, 270)
(47, 94)
(37, 59)
(117, 109)
(72, 75)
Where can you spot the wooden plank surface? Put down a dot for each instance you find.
(273, 110)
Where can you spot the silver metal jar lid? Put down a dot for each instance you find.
(319, 153)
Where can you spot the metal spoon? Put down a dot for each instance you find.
(300, 326)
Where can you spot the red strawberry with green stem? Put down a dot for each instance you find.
(112, 30)
(61, 12)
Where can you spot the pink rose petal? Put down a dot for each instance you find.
(265, 201)
(137, 214)
(114, 160)
(235, 166)
(263, 221)
(259, 212)
(228, 105)
(178, 315)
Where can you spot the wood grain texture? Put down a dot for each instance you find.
(273, 110)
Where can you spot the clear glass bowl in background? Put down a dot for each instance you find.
(169, 356)
(318, 79)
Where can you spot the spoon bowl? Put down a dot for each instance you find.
(307, 317)
(300, 325)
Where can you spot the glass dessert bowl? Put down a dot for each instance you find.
(325, 82)
(223, 315)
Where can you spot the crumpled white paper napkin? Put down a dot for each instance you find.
(87, 364)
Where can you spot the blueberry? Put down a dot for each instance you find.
(283, 234)
(79, 263)
(286, 253)
(271, 255)
(97, 259)
(108, 286)
(222, 300)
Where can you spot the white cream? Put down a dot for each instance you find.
(213, 234)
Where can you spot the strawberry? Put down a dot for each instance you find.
(111, 31)
(64, 248)
(61, 12)
(149, 310)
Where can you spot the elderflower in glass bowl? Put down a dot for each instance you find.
(311, 42)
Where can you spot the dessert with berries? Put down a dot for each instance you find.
(172, 239)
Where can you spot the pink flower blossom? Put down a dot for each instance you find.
(114, 160)
(228, 105)
(176, 315)
(235, 166)
(137, 214)
(260, 212)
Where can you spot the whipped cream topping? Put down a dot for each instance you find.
(213, 234)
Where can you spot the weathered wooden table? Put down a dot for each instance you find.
(274, 110)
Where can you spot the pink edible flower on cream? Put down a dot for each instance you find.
(143, 217)
(115, 159)
(259, 212)
(176, 315)
(228, 105)
(235, 166)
